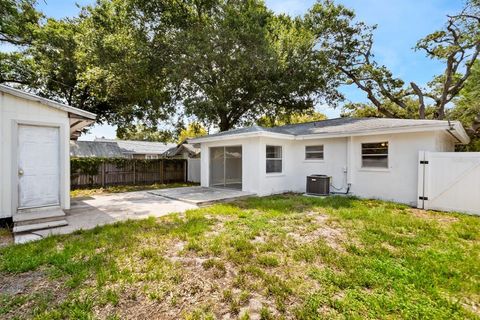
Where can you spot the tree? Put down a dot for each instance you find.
(102, 61)
(19, 22)
(467, 107)
(193, 130)
(359, 110)
(240, 61)
(350, 44)
(141, 132)
(279, 119)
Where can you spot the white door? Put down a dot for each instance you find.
(38, 166)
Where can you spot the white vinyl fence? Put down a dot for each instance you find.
(194, 170)
(449, 181)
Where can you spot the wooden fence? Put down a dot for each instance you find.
(129, 172)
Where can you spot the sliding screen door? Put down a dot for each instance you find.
(226, 167)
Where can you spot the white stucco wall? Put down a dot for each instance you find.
(342, 161)
(15, 111)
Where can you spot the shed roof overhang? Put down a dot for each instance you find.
(79, 118)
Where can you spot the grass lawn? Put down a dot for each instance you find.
(277, 257)
(80, 193)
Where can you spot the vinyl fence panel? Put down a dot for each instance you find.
(449, 181)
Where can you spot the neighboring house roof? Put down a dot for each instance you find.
(140, 147)
(96, 149)
(341, 127)
(184, 147)
(79, 118)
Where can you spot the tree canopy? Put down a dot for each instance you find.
(350, 44)
(227, 63)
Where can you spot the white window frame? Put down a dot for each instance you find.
(315, 152)
(275, 159)
(373, 155)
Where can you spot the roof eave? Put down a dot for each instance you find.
(369, 132)
(459, 132)
(47, 102)
(457, 127)
(266, 134)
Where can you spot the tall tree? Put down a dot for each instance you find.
(279, 119)
(350, 44)
(467, 107)
(141, 132)
(194, 129)
(19, 21)
(240, 61)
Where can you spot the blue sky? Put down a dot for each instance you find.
(400, 24)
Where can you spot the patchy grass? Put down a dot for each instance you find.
(286, 256)
(80, 193)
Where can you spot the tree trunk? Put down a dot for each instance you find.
(224, 124)
(419, 93)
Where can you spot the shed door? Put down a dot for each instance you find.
(38, 166)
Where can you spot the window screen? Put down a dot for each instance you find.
(375, 155)
(274, 159)
(314, 152)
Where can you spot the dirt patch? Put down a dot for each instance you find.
(6, 237)
(203, 283)
(320, 228)
(430, 215)
(28, 285)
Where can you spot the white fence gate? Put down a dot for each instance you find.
(449, 181)
(194, 170)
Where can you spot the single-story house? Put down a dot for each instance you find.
(34, 155)
(191, 153)
(113, 148)
(366, 157)
(183, 151)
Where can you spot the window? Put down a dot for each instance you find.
(274, 159)
(151, 156)
(375, 155)
(314, 152)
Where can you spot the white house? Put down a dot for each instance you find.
(34, 157)
(368, 157)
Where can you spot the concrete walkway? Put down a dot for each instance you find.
(87, 213)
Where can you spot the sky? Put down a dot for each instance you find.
(400, 23)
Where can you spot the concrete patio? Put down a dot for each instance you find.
(98, 210)
(87, 213)
(201, 196)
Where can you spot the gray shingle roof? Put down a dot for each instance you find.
(140, 147)
(96, 149)
(190, 148)
(111, 148)
(336, 126)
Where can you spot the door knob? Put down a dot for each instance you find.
(20, 172)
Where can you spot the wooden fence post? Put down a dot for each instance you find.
(103, 173)
(161, 171)
(134, 172)
(185, 171)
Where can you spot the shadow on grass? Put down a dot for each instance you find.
(293, 202)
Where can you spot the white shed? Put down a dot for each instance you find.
(34, 157)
